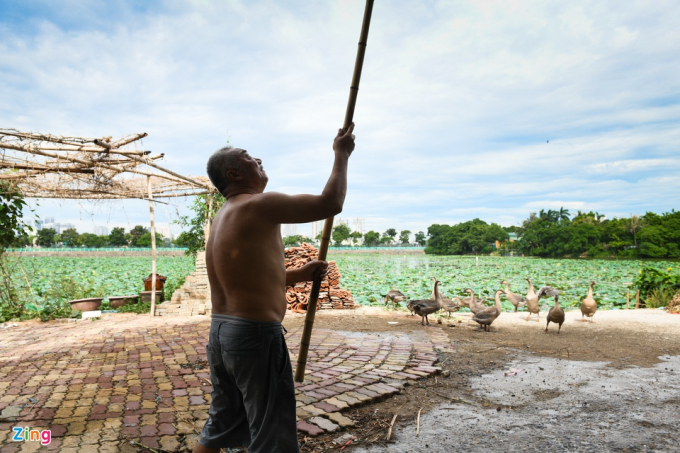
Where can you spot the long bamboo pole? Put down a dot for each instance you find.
(328, 225)
(153, 248)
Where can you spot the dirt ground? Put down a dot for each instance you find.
(613, 385)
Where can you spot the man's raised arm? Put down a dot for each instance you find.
(282, 208)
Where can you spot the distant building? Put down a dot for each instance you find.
(61, 227)
(164, 231)
(513, 237)
(288, 229)
(48, 222)
(359, 225)
(101, 231)
(317, 228)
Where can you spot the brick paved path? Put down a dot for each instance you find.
(97, 385)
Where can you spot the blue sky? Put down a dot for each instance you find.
(489, 109)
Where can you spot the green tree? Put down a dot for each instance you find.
(292, 241)
(90, 240)
(390, 232)
(193, 237)
(404, 237)
(12, 226)
(46, 237)
(12, 230)
(137, 232)
(356, 235)
(563, 214)
(474, 236)
(371, 239)
(421, 238)
(70, 237)
(514, 229)
(635, 224)
(340, 233)
(117, 237)
(386, 240)
(145, 240)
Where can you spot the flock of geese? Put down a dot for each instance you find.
(484, 315)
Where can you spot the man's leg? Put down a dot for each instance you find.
(227, 424)
(269, 397)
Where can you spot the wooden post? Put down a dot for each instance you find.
(628, 300)
(637, 299)
(153, 248)
(328, 225)
(208, 218)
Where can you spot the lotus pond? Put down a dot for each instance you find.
(370, 276)
(101, 276)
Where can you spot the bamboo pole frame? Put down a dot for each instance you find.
(86, 168)
(328, 224)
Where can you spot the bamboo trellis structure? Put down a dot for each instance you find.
(52, 166)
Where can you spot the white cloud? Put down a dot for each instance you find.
(466, 109)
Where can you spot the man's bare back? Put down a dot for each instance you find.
(245, 261)
(245, 254)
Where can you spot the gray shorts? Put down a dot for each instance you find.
(253, 395)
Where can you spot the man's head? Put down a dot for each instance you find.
(233, 169)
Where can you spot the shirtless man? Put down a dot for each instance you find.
(253, 397)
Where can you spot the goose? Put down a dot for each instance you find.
(449, 305)
(475, 304)
(546, 291)
(532, 301)
(409, 306)
(487, 316)
(556, 314)
(428, 306)
(465, 301)
(588, 305)
(515, 299)
(394, 297)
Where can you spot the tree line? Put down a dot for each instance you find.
(48, 237)
(556, 233)
(343, 235)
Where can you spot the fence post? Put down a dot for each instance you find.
(637, 299)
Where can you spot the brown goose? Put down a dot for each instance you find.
(547, 291)
(556, 314)
(449, 305)
(487, 316)
(532, 301)
(428, 306)
(588, 305)
(409, 306)
(515, 299)
(394, 297)
(474, 304)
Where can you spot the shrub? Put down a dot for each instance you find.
(659, 297)
(651, 279)
(139, 308)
